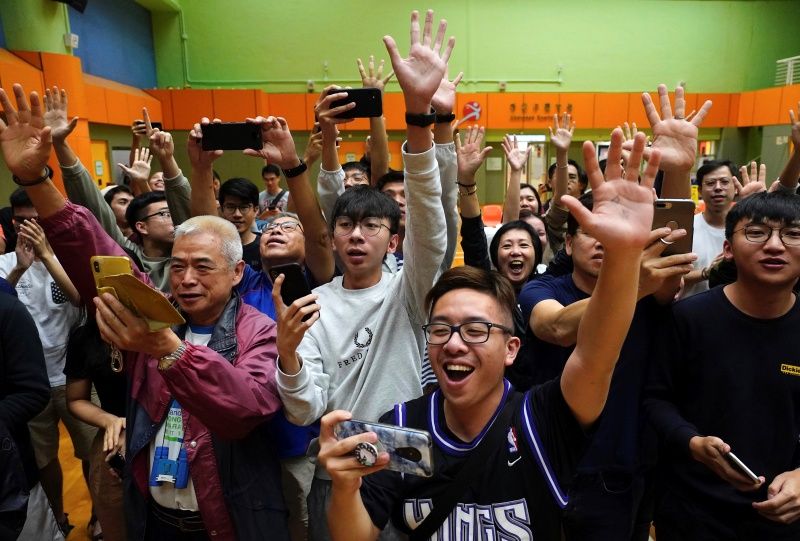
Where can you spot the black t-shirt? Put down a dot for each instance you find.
(518, 495)
(88, 358)
(251, 253)
(719, 372)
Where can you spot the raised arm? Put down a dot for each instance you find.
(330, 183)
(379, 141)
(516, 160)
(620, 220)
(791, 173)
(561, 138)
(278, 148)
(32, 233)
(139, 170)
(470, 158)
(163, 147)
(202, 162)
(443, 103)
(676, 138)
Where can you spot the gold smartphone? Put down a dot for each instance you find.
(114, 274)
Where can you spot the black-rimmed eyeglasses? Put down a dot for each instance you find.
(761, 233)
(472, 332)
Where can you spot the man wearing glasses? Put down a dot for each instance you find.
(516, 491)
(726, 379)
(238, 199)
(717, 190)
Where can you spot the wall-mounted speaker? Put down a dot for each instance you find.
(80, 5)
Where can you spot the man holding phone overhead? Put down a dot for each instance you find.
(199, 393)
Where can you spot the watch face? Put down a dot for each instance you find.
(366, 454)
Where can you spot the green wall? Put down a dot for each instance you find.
(35, 25)
(615, 45)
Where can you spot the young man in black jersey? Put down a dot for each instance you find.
(726, 378)
(516, 493)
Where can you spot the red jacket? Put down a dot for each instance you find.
(222, 399)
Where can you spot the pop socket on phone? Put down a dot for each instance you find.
(366, 454)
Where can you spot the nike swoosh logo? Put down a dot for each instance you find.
(511, 463)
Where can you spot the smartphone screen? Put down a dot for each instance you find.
(368, 103)
(231, 136)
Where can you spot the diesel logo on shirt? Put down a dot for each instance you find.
(790, 369)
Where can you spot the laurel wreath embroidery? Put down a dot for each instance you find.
(369, 338)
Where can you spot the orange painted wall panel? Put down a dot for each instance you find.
(733, 110)
(767, 107)
(790, 99)
(394, 111)
(117, 107)
(135, 104)
(636, 111)
(465, 106)
(290, 106)
(96, 104)
(311, 99)
(164, 97)
(580, 105)
(15, 70)
(610, 110)
(189, 106)
(358, 124)
(233, 105)
(505, 111)
(539, 109)
(65, 72)
(719, 115)
(747, 102)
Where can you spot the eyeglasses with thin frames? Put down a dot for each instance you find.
(472, 332)
(163, 214)
(230, 208)
(369, 226)
(724, 182)
(286, 227)
(761, 233)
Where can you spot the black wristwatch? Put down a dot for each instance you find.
(421, 120)
(48, 174)
(295, 171)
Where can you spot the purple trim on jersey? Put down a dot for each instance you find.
(448, 445)
(535, 443)
(400, 414)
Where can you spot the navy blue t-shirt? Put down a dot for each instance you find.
(616, 443)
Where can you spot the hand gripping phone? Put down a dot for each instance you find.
(737, 464)
(113, 274)
(231, 136)
(675, 214)
(294, 284)
(368, 102)
(410, 450)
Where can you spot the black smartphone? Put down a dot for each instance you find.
(675, 214)
(368, 102)
(117, 463)
(231, 136)
(294, 284)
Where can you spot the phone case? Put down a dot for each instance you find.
(294, 285)
(113, 274)
(675, 214)
(368, 103)
(231, 136)
(410, 450)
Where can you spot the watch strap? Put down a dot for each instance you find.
(48, 174)
(421, 120)
(445, 119)
(169, 359)
(296, 171)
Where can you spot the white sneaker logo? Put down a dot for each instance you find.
(512, 462)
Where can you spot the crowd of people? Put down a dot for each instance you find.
(576, 381)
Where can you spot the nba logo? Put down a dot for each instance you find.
(512, 441)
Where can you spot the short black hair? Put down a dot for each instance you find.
(711, 165)
(350, 166)
(494, 247)
(136, 208)
(489, 282)
(109, 195)
(587, 200)
(390, 177)
(20, 199)
(552, 169)
(778, 206)
(524, 186)
(215, 175)
(271, 168)
(241, 188)
(361, 202)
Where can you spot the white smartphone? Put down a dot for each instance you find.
(739, 465)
